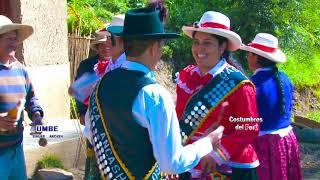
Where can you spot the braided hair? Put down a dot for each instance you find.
(276, 74)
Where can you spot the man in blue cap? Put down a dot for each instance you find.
(133, 120)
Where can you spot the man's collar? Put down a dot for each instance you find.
(135, 66)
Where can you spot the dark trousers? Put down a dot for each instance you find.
(244, 174)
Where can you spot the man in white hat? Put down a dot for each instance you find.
(277, 140)
(15, 89)
(110, 55)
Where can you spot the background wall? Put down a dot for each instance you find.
(45, 53)
(49, 44)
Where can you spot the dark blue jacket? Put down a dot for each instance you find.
(269, 102)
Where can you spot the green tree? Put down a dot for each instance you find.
(295, 23)
(86, 16)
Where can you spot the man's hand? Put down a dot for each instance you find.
(7, 122)
(36, 118)
(215, 136)
(82, 120)
(208, 165)
(70, 91)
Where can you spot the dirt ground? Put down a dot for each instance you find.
(309, 155)
(310, 160)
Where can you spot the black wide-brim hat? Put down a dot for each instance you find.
(143, 23)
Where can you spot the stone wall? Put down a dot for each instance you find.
(49, 43)
(45, 53)
(51, 84)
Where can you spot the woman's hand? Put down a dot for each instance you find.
(208, 165)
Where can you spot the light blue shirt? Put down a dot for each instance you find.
(154, 109)
(114, 65)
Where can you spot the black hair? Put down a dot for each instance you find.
(113, 41)
(233, 61)
(220, 39)
(264, 62)
(136, 47)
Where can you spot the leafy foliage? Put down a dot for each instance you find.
(86, 16)
(50, 161)
(74, 114)
(314, 116)
(295, 23)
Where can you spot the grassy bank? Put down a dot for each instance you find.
(305, 74)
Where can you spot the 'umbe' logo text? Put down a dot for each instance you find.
(42, 128)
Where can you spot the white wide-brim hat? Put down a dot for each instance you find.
(103, 34)
(117, 20)
(23, 31)
(100, 39)
(265, 45)
(218, 24)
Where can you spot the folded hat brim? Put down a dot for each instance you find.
(23, 31)
(278, 56)
(115, 30)
(94, 43)
(118, 31)
(234, 40)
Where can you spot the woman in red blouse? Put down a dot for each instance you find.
(213, 92)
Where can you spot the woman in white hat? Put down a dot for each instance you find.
(213, 92)
(277, 146)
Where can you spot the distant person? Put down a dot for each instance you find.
(214, 92)
(277, 146)
(16, 92)
(133, 122)
(117, 49)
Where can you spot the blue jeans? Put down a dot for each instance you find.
(12, 164)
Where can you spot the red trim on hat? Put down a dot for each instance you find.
(214, 25)
(262, 47)
(102, 30)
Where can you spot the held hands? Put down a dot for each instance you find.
(208, 165)
(215, 136)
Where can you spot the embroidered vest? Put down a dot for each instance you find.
(122, 146)
(204, 101)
